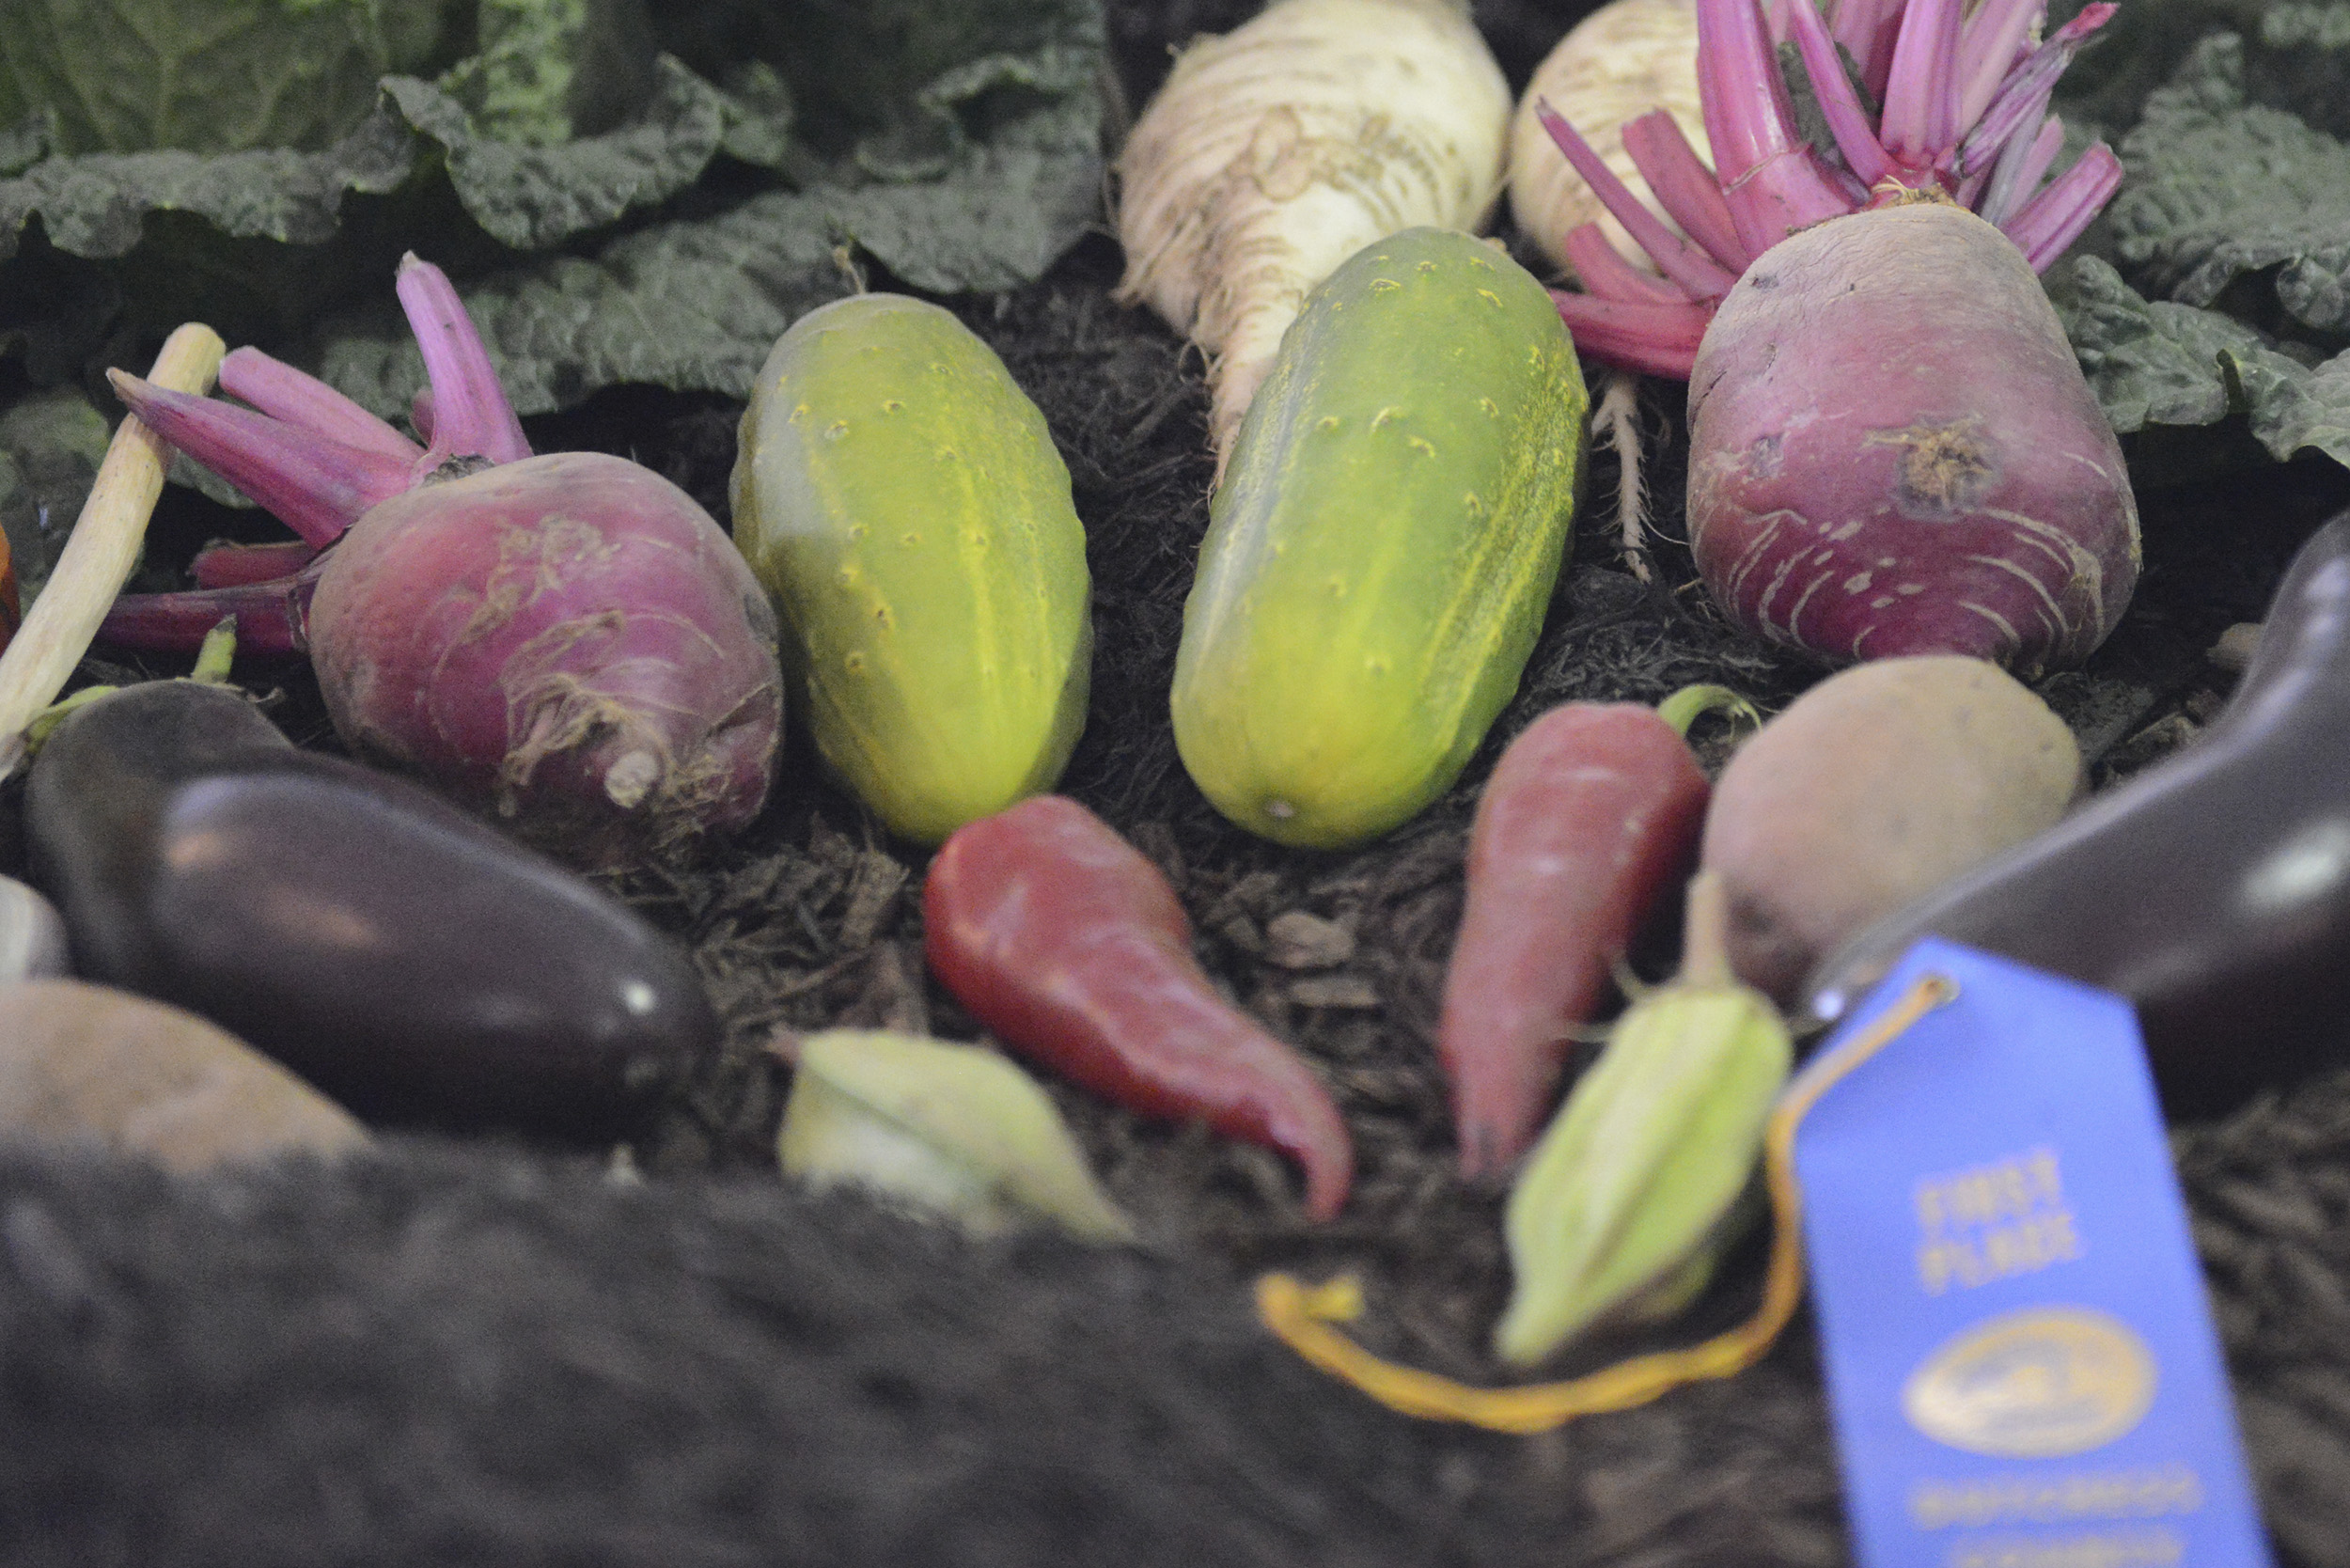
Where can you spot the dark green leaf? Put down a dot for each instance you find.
(695, 305)
(51, 444)
(533, 197)
(2136, 52)
(759, 116)
(2155, 363)
(2219, 187)
(547, 71)
(97, 205)
(27, 143)
(2296, 58)
(203, 75)
(973, 162)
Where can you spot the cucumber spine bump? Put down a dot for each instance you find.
(903, 501)
(1385, 543)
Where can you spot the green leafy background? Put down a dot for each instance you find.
(636, 195)
(2215, 291)
(624, 195)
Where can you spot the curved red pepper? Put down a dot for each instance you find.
(1593, 812)
(1068, 944)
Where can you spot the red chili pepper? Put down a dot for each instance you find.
(1068, 944)
(1590, 814)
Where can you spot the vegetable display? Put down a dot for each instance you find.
(1383, 546)
(567, 639)
(1614, 70)
(903, 501)
(1590, 814)
(2212, 889)
(1276, 151)
(1065, 941)
(1875, 784)
(395, 952)
(1892, 449)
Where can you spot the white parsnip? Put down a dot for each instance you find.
(1625, 60)
(1279, 149)
(101, 550)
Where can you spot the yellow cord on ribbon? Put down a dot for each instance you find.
(1302, 1315)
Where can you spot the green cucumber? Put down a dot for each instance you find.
(903, 501)
(1383, 544)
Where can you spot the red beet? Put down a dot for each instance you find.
(567, 639)
(1892, 450)
(549, 633)
(1883, 464)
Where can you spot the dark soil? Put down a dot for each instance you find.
(483, 1350)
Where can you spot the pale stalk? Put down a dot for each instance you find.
(101, 553)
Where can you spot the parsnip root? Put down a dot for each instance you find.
(1276, 151)
(101, 553)
(1622, 61)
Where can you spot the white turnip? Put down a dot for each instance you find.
(1892, 449)
(567, 639)
(1277, 150)
(1624, 60)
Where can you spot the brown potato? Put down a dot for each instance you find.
(80, 1062)
(1871, 787)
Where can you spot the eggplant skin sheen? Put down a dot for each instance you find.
(404, 958)
(2213, 890)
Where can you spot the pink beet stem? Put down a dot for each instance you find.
(1770, 178)
(1685, 187)
(471, 415)
(2023, 94)
(1660, 340)
(269, 617)
(317, 486)
(2013, 117)
(2019, 171)
(1920, 126)
(282, 392)
(1736, 70)
(236, 565)
(1847, 118)
(1678, 259)
(1607, 275)
(1864, 30)
(2054, 219)
(1991, 44)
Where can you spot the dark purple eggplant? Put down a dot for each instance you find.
(2212, 889)
(403, 957)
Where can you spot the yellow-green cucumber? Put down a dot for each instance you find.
(1383, 544)
(903, 501)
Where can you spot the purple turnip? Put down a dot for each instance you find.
(1892, 449)
(567, 639)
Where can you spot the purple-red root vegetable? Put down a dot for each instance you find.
(567, 639)
(1965, 120)
(1892, 449)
